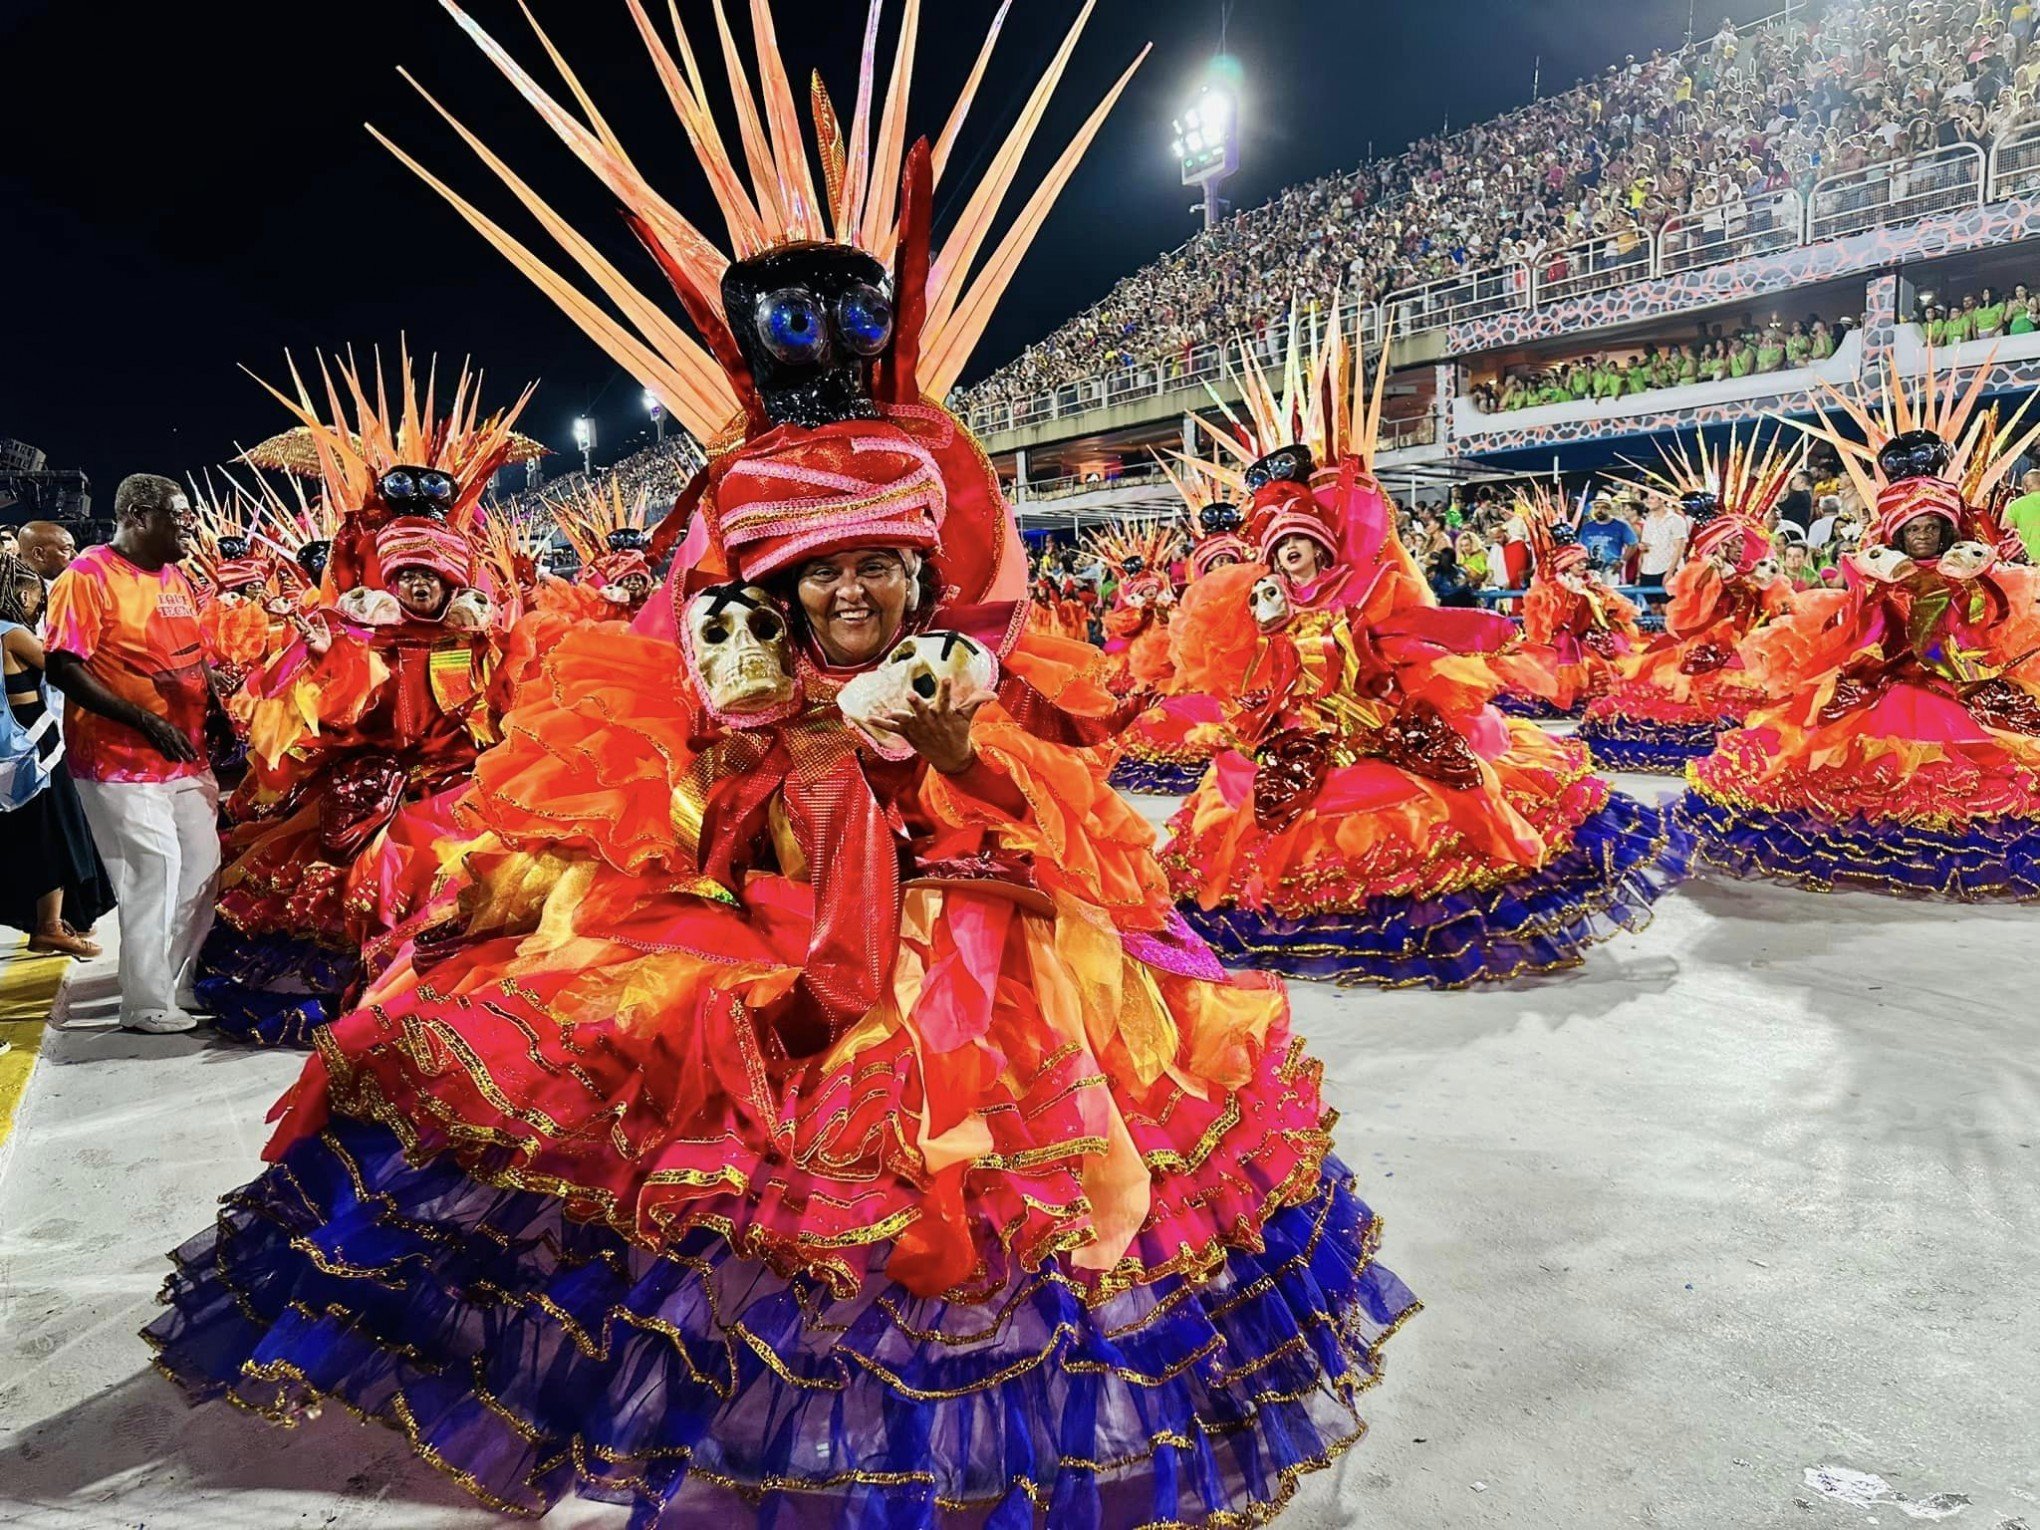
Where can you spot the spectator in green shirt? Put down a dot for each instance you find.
(1798, 348)
(1579, 381)
(1936, 326)
(1689, 365)
(1771, 347)
(2025, 319)
(1608, 380)
(1635, 376)
(1990, 315)
(1820, 344)
(2023, 514)
(1742, 360)
(1962, 321)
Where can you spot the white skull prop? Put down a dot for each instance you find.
(469, 610)
(1269, 600)
(736, 644)
(1966, 560)
(1883, 564)
(367, 607)
(917, 666)
(1764, 571)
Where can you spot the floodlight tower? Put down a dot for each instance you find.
(1207, 143)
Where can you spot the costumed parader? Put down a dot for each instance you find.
(1674, 699)
(609, 539)
(1059, 603)
(1157, 751)
(245, 593)
(1169, 746)
(1376, 819)
(814, 1111)
(1577, 631)
(364, 728)
(1900, 749)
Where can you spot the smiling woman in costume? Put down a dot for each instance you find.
(815, 1112)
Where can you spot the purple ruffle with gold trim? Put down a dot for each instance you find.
(529, 1356)
(1537, 708)
(1645, 745)
(1158, 778)
(1974, 861)
(271, 990)
(1620, 860)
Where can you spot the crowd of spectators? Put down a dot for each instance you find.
(1981, 315)
(1712, 356)
(1699, 132)
(659, 473)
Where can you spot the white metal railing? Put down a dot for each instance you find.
(1940, 180)
(1900, 192)
(1760, 225)
(1594, 265)
(2015, 161)
(1454, 299)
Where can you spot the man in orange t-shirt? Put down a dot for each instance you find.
(126, 650)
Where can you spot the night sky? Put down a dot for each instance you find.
(188, 188)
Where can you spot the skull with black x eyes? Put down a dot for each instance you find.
(736, 645)
(810, 318)
(917, 666)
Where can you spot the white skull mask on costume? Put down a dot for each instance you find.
(917, 666)
(1966, 560)
(737, 647)
(1764, 571)
(1269, 600)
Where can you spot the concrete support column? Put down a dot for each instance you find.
(1019, 475)
(1880, 319)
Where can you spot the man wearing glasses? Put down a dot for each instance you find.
(126, 650)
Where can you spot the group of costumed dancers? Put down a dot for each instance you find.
(760, 1064)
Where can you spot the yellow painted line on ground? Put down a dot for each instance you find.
(28, 986)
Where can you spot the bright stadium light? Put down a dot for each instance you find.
(584, 438)
(657, 411)
(1206, 142)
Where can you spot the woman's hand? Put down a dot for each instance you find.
(939, 728)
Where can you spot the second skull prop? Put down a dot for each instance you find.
(917, 666)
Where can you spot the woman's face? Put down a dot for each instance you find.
(855, 602)
(1925, 536)
(29, 592)
(420, 592)
(1298, 557)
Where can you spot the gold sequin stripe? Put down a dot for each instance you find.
(355, 1093)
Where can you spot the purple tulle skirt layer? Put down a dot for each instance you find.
(1648, 747)
(1158, 778)
(271, 990)
(1981, 860)
(1620, 861)
(529, 1357)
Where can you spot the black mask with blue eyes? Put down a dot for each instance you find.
(313, 556)
(810, 318)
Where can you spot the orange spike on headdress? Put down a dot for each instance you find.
(861, 202)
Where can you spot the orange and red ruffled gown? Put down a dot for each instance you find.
(1166, 749)
(1051, 1225)
(1378, 820)
(1901, 753)
(1579, 632)
(356, 758)
(1671, 701)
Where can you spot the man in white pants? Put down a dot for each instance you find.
(125, 648)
